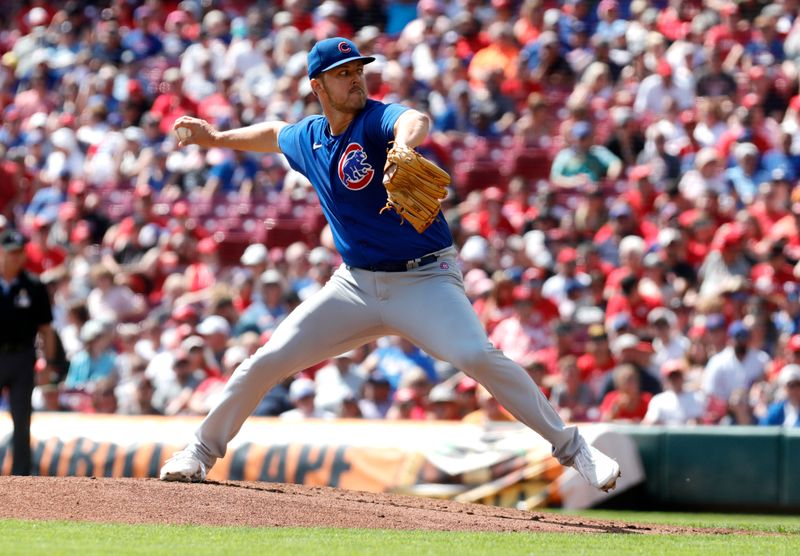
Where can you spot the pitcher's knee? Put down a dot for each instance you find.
(261, 361)
(474, 361)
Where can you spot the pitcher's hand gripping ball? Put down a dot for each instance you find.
(415, 186)
(183, 133)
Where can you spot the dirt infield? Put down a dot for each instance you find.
(276, 505)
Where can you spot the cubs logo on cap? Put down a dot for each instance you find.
(330, 53)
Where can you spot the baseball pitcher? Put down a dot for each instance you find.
(399, 274)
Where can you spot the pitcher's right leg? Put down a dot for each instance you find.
(339, 317)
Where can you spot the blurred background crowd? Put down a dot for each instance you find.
(624, 200)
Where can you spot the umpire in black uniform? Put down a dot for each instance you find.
(25, 311)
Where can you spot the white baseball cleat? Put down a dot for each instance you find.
(597, 468)
(184, 467)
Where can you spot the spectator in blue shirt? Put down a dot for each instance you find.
(141, 42)
(743, 175)
(786, 413)
(46, 201)
(782, 159)
(95, 362)
(236, 172)
(399, 358)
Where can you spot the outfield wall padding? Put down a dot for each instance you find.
(734, 468)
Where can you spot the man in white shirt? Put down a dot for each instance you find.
(736, 367)
(674, 406)
(651, 98)
(668, 343)
(301, 394)
(337, 380)
(555, 287)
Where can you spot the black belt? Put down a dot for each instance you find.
(402, 266)
(14, 347)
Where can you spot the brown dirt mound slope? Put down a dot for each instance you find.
(275, 505)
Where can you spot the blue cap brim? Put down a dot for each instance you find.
(366, 59)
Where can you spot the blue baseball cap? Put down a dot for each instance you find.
(715, 321)
(738, 329)
(330, 53)
(581, 130)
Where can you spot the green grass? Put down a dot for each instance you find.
(51, 538)
(787, 524)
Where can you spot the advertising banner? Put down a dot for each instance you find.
(502, 464)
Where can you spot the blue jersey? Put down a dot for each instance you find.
(347, 173)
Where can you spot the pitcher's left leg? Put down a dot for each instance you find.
(429, 307)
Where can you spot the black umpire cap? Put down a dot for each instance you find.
(11, 240)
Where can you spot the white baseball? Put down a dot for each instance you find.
(183, 133)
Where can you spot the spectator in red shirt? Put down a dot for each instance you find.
(726, 259)
(675, 22)
(37, 97)
(11, 176)
(489, 221)
(209, 390)
(565, 344)
(571, 396)
(590, 263)
(172, 103)
(772, 201)
(533, 278)
(301, 15)
(217, 107)
(530, 23)
(731, 33)
(406, 405)
(631, 253)
(641, 195)
(700, 232)
(774, 271)
(143, 213)
(331, 22)
(626, 402)
(788, 354)
(39, 253)
(470, 38)
(524, 332)
(598, 360)
(498, 305)
(629, 300)
(744, 129)
(200, 358)
(202, 274)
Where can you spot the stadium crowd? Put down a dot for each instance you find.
(625, 200)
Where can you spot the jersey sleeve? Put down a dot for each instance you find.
(380, 122)
(289, 141)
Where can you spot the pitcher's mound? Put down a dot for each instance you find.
(273, 505)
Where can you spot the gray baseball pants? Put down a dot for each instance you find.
(427, 305)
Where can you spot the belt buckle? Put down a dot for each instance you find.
(410, 265)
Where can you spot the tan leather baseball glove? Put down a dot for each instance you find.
(415, 186)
